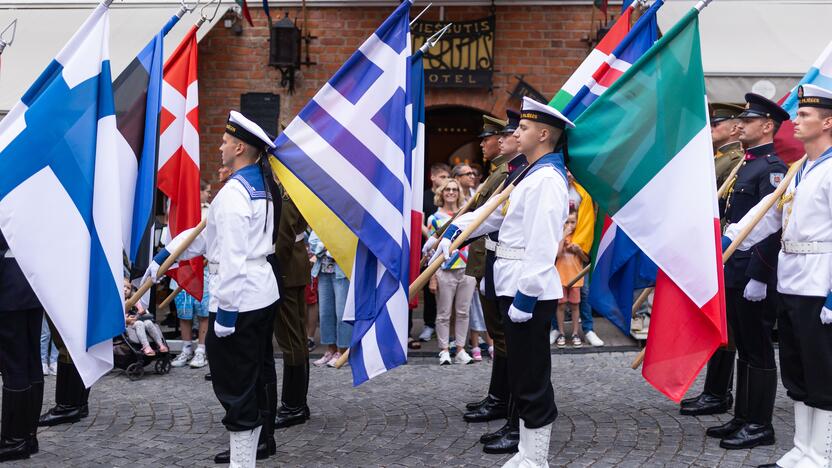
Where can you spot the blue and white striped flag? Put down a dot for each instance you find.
(59, 196)
(345, 161)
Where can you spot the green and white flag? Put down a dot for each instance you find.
(643, 151)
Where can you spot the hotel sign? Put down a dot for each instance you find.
(464, 58)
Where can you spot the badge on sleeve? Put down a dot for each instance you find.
(775, 178)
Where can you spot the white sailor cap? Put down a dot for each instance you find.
(537, 112)
(242, 127)
(814, 96)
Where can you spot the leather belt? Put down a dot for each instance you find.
(213, 267)
(806, 247)
(490, 244)
(509, 253)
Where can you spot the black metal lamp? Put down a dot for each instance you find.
(284, 50)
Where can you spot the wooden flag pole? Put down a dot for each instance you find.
(492, 204)
(730, 179)
(170, 297)
(578, 277)
(775, 196)
(165, 265)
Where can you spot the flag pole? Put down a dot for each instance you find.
(775, 196)
(170, 297)
(731, 176)
(489, 207)
(165, 265)
(203, 17)
(578, 277)
(3, 41)
(420, 14)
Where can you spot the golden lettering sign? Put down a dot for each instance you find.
(464, 58)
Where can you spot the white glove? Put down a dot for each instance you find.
(755, 291)
(429, 245)
(443, 249)
(826, 316)
(518, 316)
(223, 331)
(151, 272)
(144, 301)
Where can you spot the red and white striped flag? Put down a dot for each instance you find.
(178, 176)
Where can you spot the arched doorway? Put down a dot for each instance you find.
(452, 135)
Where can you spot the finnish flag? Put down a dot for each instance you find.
(59, 196)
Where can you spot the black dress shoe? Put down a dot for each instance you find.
(491, 436)
(769, 465)
(61, 414)
(13, 448)
(749, 436)
(508, 443)
(288, 417)
(708, 404)
(208, 377)
(476, 404)
(724, 430)
(490, 411)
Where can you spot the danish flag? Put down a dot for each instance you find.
(178, 176)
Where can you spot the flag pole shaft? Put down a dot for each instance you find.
(702, 4)
(778, 192)
(492, 204)
(165, 265)
(170, 297)
(578, 277)
(724, 188)
(420, 14)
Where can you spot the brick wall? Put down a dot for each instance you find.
(542, 43)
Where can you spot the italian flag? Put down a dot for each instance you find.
(643, 151)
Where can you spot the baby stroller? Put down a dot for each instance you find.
(129, 357)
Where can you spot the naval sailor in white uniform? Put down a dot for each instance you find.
(804, 280)
(530, 225)
(244, 293)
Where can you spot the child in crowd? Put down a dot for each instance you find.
(570, 261)
(140, 324)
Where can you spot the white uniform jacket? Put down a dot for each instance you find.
(805, 215)
(530, 220)
(235, 244)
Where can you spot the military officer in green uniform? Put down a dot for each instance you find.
(290, 323)
(725, 134)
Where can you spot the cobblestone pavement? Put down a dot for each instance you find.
(411, 416)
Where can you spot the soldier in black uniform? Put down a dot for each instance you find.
(751, 282)
(19, 360)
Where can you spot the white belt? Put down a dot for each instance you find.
(806, 247)
(214, 267)
(300, 237)
(490, 244)
(509, 252)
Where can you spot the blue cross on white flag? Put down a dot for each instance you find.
(59, 196)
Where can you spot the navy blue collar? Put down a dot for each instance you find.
(252, 179)
(761, 150)
(802, 172)
(554, 160)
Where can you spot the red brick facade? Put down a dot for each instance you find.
(543, 43)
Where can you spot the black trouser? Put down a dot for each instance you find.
(236, 362)
(429, 310)
(20, 348)
(530, 363)
(805, 350)
(751, 324)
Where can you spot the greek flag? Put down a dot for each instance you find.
(60, 206)
(346, 162)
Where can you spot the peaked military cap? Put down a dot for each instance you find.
(724, 111)
(758, 107)
(537, 112)
(491, 126)
(513, 122)
(814, 96)
(241, 127)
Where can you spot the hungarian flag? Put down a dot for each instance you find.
(643, 151)
(593, 61)
(178, 176)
